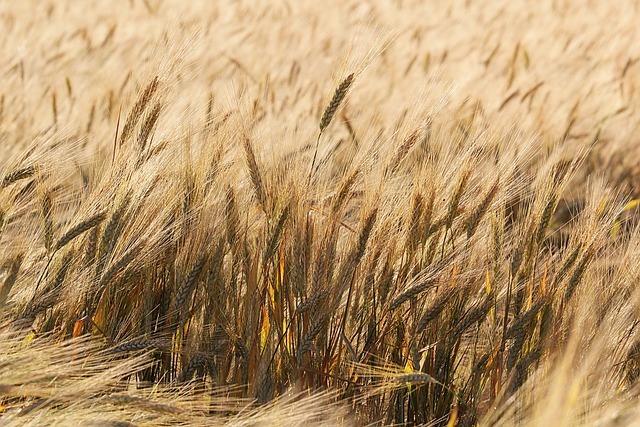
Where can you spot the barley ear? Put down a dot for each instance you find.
(148, 125)
(401, 153)
(10, 280)
(254, 172)
(478, 213)
(455, 198)
(576, 277)
(79, 229)
(344, 191)
(329, 112)
(411, 292)
(275, 236)
(336, 100)
(17, 175)
(232, 219)
(138, 108)
(116, 268)
(545, 218)
(140, 345)
(3, 217)
(46, 207)
(186, 288)
(434, 310)
(307, 342)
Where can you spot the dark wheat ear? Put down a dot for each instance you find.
(545, 218)
(482, 208)
(275, 236)
(68, 237)
(2, 221)
(46, 207)
(254, 172)
(412, 292)
(185, 290)
(10, 279)
(337, 98)
(17, 175)
(80, 228)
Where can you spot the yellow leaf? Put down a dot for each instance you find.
(632, 204)
(543, 282)
(453, 415)
(264, 332)
(77, 328)
(453, 275)
(602, 205)
(408, 368)
(487, 282)
(28, 338)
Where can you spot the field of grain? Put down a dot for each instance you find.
(382, 212)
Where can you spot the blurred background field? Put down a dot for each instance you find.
(339, 213)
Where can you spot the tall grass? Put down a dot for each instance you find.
(197, 237)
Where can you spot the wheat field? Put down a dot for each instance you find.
(383, 212)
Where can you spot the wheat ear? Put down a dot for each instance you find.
(138, 108)
(337, 98)
(46, 207)
(411, 292)
(17, 175)
(68, 237)
(186, 288)
(254, 172)
(79, 229)
(10, 280)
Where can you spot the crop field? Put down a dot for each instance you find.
(306, 213)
